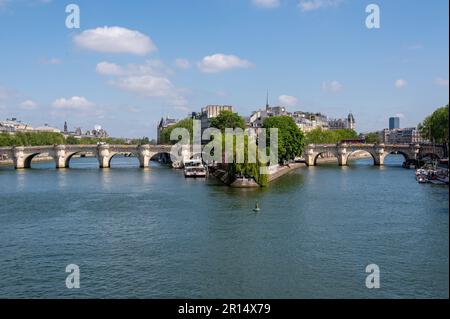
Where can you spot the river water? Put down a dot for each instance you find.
(153, 234)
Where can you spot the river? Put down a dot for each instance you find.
(152, 233)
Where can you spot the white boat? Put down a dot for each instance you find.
(422, 179)
(194, 168)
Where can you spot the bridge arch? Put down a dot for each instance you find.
(333, 153)
(70, 156)
(162, 157)
(405, 155)
(360, 151)
(28, 158)
(114, 154)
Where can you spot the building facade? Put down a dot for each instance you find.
(394, 123)
(408, 135)
(14, 126)
(163, 124)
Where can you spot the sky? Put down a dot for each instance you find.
(131, 63)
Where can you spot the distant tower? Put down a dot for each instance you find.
(267, 101)
(65, 128)
(394, 123)
(351, 124)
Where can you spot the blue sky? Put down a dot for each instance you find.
(129, 64)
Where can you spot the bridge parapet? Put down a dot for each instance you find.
(378, 151)
(23, 155)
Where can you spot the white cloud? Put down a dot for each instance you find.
(310, 5)
(267, 3)
(182, 63)
(288, 100)
(441, 81)
(107, 68)
(149, 79)
(400, 83)
(332, 86)
(220, 62)
(115, 40)
(28, 105)
(73, 103)
(148, 85)
(150, 67)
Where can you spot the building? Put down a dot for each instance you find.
(78, 132)
(394, 123)
(47, 129)
(211, 111)
(208, 113)
(345, 123)
(408, 135)
(256, 119)
(351, 123)
(307, 121)
(14, 125)
(97, 132)
(163, 124)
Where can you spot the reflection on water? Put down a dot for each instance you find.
(150, 233)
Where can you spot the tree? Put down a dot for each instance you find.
(228, 119)
(372, 138)
(319, 136)
(72, 140)
(435, 127)
(31, 139)
(247, 169)
(186, 123)
(290, 138)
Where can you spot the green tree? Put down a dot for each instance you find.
(246, 168)
(228, 119)
(372, 138)
(435, 127)
(31, 139)
(291, 140)
(186, 123)
(320, 136)
(71, 140)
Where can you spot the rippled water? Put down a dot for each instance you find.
(153, 234)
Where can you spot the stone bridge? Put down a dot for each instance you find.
(378, 151)
(61, 154)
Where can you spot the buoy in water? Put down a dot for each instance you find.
(256, 209)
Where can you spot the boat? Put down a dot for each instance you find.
(422, 179)
(194, 168)
(256, 209)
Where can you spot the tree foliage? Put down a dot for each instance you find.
(50, 138)
(372, 138)
(435, 127)
(71, 140)
(31, 139)
(228, 119)
(291, 140)
(165, 134)
(319, 136)
(246, 169)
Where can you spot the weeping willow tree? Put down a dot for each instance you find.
(244, 163)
